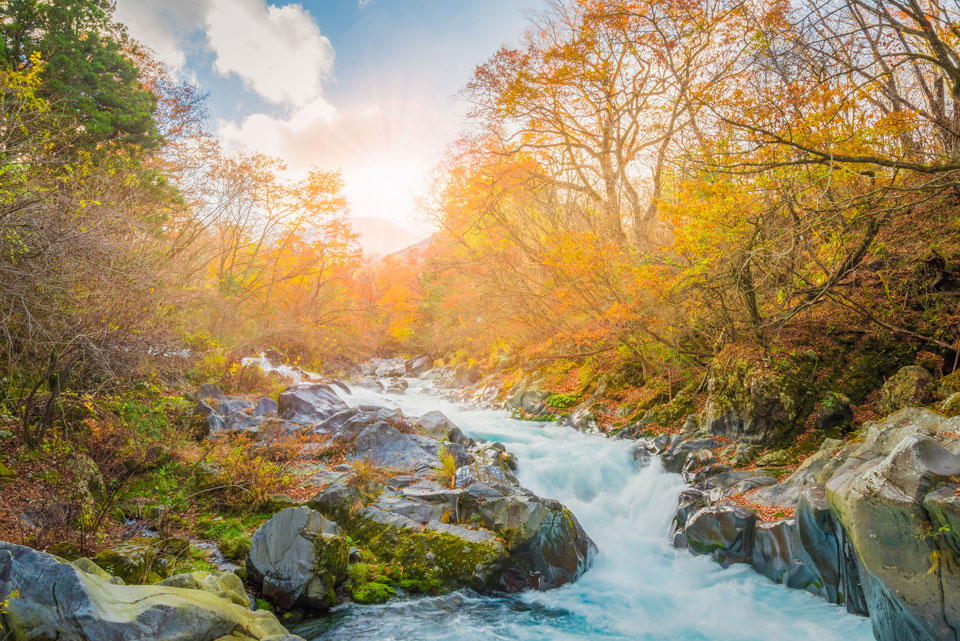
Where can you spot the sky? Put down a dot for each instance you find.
(364, 86)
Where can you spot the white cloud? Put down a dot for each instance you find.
(163, 26)
(279, 52)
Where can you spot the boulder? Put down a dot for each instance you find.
(547, 546)
(725, 532)
(136, 561)
(419, 366)
(833, 414)
(751, 404)
(436, 425)
(225, 585)
(530, 401)
(382, 445)
(392, 368)
(298, 558)
(58, 601)
(211, 391)
(911, 385)
(878, 491)
(309, 403)
(265, 406)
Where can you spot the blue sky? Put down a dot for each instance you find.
(366, 87)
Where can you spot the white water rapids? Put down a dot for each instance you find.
(639, 587)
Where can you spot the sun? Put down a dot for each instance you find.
(385, 185)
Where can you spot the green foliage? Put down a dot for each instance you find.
(232, 535)
(563, 401)
(372, 593)
(446, 474)
(86, 74)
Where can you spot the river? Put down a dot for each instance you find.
(639, 588)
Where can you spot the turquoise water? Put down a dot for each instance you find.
(639, 589)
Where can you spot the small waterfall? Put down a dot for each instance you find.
(639, 587)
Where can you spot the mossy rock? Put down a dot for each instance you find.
(777, 458)
(441, 560)
(911, 385)
(758, 403)
(225, 585)
(372, 592)
(951, 406)
(65, 550)
(279, 502)
(87, 565)
(135, 562)
(949, 385)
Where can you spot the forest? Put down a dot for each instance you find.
(652, 206)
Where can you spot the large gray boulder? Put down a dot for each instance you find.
(874, 528)
(907, 564)
(382, 445)
(58, 601)
(547, 546)
(298, 558)
(309, 403)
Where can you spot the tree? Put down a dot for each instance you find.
(86, 75)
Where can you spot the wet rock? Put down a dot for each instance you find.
(724, 532)
(675, 458)
(583, 418)
(436, 425)
(531, 401)
(775, 554)
(911, 385)
(826, 552)
(309, 403)
(298, 557)
(58, 601)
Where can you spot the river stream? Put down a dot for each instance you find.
(639, 588)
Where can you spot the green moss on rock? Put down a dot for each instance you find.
(372, 593)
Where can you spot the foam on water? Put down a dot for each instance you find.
(639, 588)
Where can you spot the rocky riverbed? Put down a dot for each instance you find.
(413, 507)
(405, 502)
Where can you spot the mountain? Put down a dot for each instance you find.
(379, 237)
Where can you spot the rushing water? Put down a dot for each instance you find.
(639, 587)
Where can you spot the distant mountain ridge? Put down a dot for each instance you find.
(380, 237)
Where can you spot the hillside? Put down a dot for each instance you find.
(379, 237)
